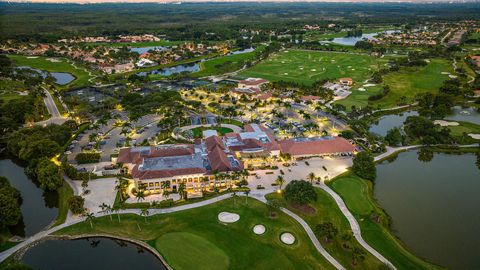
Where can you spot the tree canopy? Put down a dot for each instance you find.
(300, 192)
(364, 166)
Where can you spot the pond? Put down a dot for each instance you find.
(61, 78)
(90, 253)
(434, 206)
(141, 50)
(247, 50)
(469, 114)
(167, 71)
(39, 208)
(351, 41)
(387, 122)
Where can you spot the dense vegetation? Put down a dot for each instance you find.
(194, 21)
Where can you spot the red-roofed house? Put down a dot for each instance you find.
(346, 81)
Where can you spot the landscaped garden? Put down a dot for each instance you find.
(198, 131)
(196, 239)
(341, 243)
(357, 194)
(307, 67)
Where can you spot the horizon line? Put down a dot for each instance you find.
(234, 1)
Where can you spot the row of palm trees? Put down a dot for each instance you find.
(280, 181)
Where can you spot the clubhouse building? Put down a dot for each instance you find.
(204, 164)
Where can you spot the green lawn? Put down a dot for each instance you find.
(326, 210)
(198, 131)
(224, 64)
(193, 239)
(357, 194)
(39, 62)
(306, 67)
(465, 127)
(411, 81)
(64, 193)
(359, 98)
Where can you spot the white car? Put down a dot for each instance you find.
(68, 152)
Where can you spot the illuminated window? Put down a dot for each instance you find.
(157, 184)
(150, 184)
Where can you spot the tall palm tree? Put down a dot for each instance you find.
(247, 191)
(140, 195)
(144, 212)
(116, 209)
(166, 194)
(280, 181)
(234, 195)
(181, 190)
(311, 176)
(89, 217)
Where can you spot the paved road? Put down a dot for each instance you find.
(51, 107)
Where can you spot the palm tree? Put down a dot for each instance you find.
(140, 195)
(144, 212)
(234, 195)
(116, 209)
(311, 176)
(166, 194)
(106, 209)
(181, 190)
(280, 181)
(89, 217)
(247, 191)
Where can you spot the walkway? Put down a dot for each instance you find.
(357, 233)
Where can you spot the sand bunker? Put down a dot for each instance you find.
(259, 229)
(287, 238)
(53, 60)
(444, 123)
(369, 85)
(361, 89)
(313, 69)
(474, 136)
(228, 217)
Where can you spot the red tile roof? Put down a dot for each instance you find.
(152, 174)
(316, 147)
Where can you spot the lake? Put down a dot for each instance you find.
(434, 206)
(39, 208)
(167, 71)
(90, 253)
(61, 78)
(351, 41)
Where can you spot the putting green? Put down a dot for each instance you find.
(182, 250)
(306, 67)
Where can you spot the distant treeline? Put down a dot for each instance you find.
(48, 22)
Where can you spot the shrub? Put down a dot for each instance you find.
(75, 204)
(82, 158)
